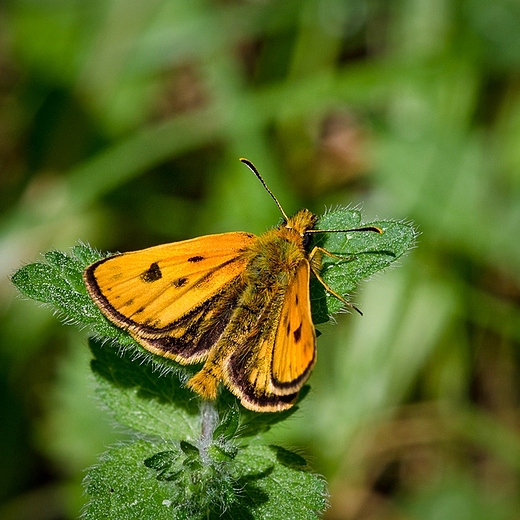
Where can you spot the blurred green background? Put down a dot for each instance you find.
(121, 122)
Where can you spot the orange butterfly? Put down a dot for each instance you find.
(237, 302)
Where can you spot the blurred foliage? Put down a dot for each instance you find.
(121, 123)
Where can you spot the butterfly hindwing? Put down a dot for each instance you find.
(271, 364)
(294, 351)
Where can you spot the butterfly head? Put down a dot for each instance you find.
(301, 222)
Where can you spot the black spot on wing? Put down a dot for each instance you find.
(152, 274)
(180, 282)
(298, 333)
(151, 322)
(196, 258)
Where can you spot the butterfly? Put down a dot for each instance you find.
(236, 302)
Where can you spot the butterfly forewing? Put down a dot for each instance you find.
(150, 291)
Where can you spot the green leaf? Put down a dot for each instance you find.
(189, 449)
(362, 253)
(58, 282)
(145, 480)
(228, 425)
(162, 460)
(121, 486)
(166, 463)
(277, 484)
(142, 398)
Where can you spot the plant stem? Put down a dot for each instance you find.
(209, 420)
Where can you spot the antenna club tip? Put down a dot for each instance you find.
(249, 164)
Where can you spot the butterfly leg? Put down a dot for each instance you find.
(321, 250)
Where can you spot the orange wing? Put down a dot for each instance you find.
(172, 297)
(294, 352)
(274, 361)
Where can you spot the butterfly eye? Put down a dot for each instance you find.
(306, 239)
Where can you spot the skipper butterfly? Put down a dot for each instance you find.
(236, 302)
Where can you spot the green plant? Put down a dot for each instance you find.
(191, 458)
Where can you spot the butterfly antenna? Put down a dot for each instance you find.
(252, 167)
(375, 229)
